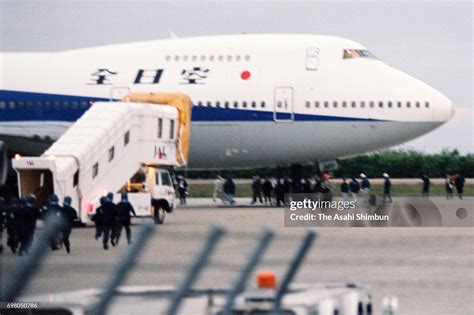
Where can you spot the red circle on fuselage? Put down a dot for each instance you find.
(245, 75)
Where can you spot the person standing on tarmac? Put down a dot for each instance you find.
(345, 190)
(355, 187)
(387, 187)
(98, 218)
(182, 189)
(30, 216)
(256, 189)
(365, 187)
(425, 192)
(218, 188)
(110, 221)
(449, 187)
(124, 212)
(267, 188)
(11, 224)
(459, 183)
(69, 215)
(229, 190)
(21, 228)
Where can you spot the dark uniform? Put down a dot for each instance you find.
(124, 211)
(98, 218)
(69, 215)
(459, 183)
(267, 189)
(3, 213)
(52, 208)
(30, 214)
(257, 190)
(11, 224)
(109, 221)
(387, 187)
(425, 192)
(182, 190)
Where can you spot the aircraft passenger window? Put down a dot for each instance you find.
(247, 58)
(208, 104)
(83, 104)
(168, 58)
(427, 104)
(308, 104)
(126, 138)
(29, 105)
(65, 105)
(244, 104)
(316, 104)
(362, 104)
(203, 58)
(254, 104)
(389, 104)
(262, 104)
(111, 153)
(229, 58)
(185, 58)
(353, 104)
(408, 105)
(237, 58)
(3, 105)
(74, 105)
(380, 104)
(95, 170)
(160, 128)
(20, 105)
(326, 104)
(417, 104)
(236, 104)
(171, 129)
(344, 104)
(57, 105)
(372, 104)
(47, 105)
(218, 104)
(399, 104)
(11, 105)
(220, 58)
(211, 58)
(334, 104)
(194, 58)
(279, 104)
(176, 58)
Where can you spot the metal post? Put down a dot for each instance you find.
(125, 265)
(294, 266)
(193, 272)
(30, 263)
(252, 262)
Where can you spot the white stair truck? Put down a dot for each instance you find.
(114, 147)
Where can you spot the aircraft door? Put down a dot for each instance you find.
(283, 104)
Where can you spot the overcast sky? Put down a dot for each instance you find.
(433, 41)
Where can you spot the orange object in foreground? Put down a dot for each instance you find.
(266, 279)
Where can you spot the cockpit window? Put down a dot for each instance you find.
(357, 53)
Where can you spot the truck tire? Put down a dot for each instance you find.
(158, 213)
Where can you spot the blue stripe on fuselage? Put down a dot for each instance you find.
(29, 106)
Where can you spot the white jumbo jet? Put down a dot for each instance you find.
(258, 100)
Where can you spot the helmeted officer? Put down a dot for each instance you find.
(53, 208)
(29, 215)
(109, 221)
(21, 226)
(98, 218)
(11, 224)
(124, 212)
(3, 213)
(69, 215)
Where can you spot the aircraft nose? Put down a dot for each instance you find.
(443, 107)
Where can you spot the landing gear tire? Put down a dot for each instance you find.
(159, 214)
